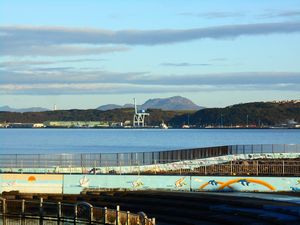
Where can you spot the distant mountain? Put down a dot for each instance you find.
(115, 106)
(109, 107)
(6, 108)
(128, 105)
(172, 103)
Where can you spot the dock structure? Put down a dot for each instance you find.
(139, 116)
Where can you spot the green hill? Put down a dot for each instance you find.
(114, 115)
(253, 114)
(256, 113)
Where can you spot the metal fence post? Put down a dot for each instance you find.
(58, 212)
(105, 215)
(283, 169)
(153, 221)
(127, 218)
(3, 206)
(23, 208)
(75, 214)
(3, 210)
(257, 168)
(118, 215)
(41, 211)
(142, 218)
(91, 219)
(41, 206)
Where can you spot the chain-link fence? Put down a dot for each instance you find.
(92, 160)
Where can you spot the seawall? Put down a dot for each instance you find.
(76, 184)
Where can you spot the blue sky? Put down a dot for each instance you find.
(85, 53)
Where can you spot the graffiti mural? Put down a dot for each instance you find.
(247, 182)
(74, 184)
(212, 183)
(261, 184)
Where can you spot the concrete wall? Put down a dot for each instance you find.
(74, 184)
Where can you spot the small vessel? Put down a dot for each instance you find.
(163, 125)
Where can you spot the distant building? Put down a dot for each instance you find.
(3, 125)
(287, 101)
(38, 125)
(76, 124)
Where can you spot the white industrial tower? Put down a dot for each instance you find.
(139, 116)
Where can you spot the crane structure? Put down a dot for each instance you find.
(139, 116)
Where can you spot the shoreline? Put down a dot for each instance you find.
(158, 128)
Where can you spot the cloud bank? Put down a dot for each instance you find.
(184, 64)
(68, 80)
(24, 40)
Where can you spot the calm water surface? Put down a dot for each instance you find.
(127, 140)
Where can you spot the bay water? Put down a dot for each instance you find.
(25, 141)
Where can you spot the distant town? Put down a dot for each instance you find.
(128, 124)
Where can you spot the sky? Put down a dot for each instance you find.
(86, 53)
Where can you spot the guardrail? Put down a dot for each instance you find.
(79, 213)
(91, 160)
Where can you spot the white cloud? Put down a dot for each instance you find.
(67, 80)
(27, 40)
(60, 50)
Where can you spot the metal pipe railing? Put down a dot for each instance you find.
(80, 212)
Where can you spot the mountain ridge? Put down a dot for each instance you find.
(171, 103)
(7, 108)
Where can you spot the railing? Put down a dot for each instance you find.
(79, 213)
(92, 160)
(246, 168)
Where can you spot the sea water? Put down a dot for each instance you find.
(25, 141)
